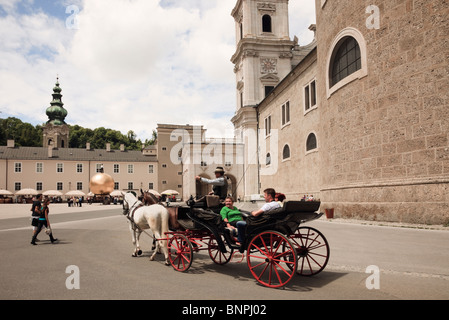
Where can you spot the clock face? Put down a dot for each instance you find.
(268, 65)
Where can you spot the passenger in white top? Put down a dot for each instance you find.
(269, 195)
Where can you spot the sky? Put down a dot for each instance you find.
(126, 64)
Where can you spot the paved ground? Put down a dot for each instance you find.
(413, 262)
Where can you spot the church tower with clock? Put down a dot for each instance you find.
(264, 56)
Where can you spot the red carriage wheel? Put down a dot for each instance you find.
(180, 252)
(312, 249)
(215, 253)
(269, 254)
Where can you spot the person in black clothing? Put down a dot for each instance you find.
(35, 212)
(43, 221)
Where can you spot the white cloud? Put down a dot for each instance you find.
(130, 65)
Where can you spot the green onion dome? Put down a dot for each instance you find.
(56, 112)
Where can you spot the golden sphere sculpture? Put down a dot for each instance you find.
(101, 183)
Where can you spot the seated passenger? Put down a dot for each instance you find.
(280, 197)
(230, 214)
(271, 204)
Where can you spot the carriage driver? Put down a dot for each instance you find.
(220, 183)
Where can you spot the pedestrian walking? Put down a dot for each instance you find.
(43, 221)
(35, 212)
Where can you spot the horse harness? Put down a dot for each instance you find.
(130, 214)
(130, 217)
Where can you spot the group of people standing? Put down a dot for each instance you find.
(39, 215)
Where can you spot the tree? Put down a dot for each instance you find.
(27, 135)
(23, 134)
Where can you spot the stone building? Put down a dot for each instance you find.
(358, 120)
(181, 152)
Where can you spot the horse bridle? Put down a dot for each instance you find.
(128, 210)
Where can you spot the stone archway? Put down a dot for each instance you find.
(232, 185)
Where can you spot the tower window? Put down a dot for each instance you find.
(268, 159)
(286, 152)
(311, 142)
(268, 90)
(266, 23)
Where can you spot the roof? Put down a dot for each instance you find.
(74, 154)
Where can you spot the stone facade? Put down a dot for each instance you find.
(384, 138)
(382, 143)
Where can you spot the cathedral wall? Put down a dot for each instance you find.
(384, 135)
(298, 174)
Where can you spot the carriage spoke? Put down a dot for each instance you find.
(180, 253)
(312, 249)
(266, 264)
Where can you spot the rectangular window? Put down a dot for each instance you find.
(267, 126)
(79, 168)
(164, 166)
(39, 167)
(285, 113)
(98, 167)
(59, 186)
(116, 186)
(150, 168)
(310, 96)
(150, 185)
(116, 168)
(17, 167)
(130, 186)
(306, 98)
(130, 168)
(39, 186)
(60, 167)
(268, 89)
(17, 186)
(79, 186)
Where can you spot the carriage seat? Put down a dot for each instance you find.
(304, 208)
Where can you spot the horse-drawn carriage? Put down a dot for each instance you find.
(276, 244)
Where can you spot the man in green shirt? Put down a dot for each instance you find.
(230, 214)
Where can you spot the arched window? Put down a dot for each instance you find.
(346, 61)
(268, 159)
(286, 152)
(311, 142)
(266, 23)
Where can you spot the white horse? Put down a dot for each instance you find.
(154, 217)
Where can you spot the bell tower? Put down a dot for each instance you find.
(263, 48)
(56, 131)
(263, 57)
